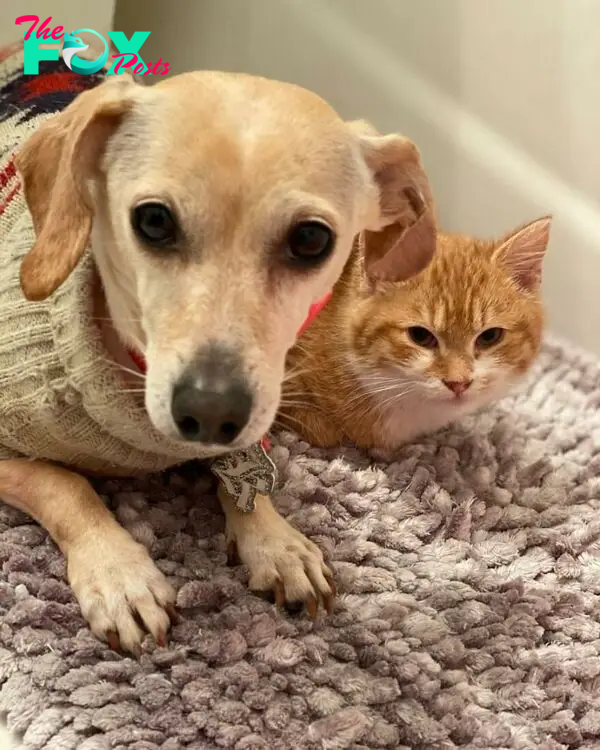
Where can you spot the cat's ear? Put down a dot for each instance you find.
(522, 253)
(399, 240)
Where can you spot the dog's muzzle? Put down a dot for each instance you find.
(212, 401)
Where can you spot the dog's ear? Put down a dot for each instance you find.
(56, 164)
(400, 240)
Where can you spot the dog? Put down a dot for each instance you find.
(187, 226)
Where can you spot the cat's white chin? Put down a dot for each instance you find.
(459, 401)
(457, 405)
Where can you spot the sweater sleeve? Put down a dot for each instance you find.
(6, 453)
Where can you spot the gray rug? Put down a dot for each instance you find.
(469, 609)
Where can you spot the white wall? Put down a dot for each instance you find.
(72, 14)
(502, 96)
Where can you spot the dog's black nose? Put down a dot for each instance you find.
(212, 402)
(207, 416)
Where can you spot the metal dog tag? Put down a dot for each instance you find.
(246, 474)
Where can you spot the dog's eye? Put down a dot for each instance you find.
(489, 337)
(422, 337)
(154, 224)
(309, 243)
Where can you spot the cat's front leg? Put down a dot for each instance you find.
(279, 558)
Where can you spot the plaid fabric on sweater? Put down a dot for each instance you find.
(61, 399)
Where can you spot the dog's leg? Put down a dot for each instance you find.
(114, 578)
(278, 556)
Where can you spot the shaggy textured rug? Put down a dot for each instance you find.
(468, 614)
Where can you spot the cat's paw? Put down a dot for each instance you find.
(282, 560)
(121, 592)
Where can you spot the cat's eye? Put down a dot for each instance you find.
(489, 337)
(154, 224)
(309, 243)
(422, 337)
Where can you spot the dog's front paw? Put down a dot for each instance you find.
(120, 590)
(284, 561)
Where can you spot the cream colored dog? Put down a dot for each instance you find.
(217, 209)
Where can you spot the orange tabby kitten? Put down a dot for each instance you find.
(386, 362)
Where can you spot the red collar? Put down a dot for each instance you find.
(313, 311)
(138, 360)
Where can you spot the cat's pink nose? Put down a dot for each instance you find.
(457, 386)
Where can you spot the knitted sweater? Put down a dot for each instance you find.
(61, 398)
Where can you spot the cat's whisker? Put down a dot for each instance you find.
(378, 392)
(119, 366)
(353, 402)
(295, 373)
(112, 320)
(401, 393)
(370, 370)
(299, 405)
(367, 392)
(293, 420)
(302, 349)
(390, 385)
(351, 407)
(398, 377)
(373, 403)
(293, 394)
(366, 382)
(394, 399)
(367, 379)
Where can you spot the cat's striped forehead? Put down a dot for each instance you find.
(462, 289)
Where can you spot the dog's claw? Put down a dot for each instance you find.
(233, 557)
(312, 606)
(279, 593)
(113, 641)
(161, 639)
(173, 613)
(329, 598)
